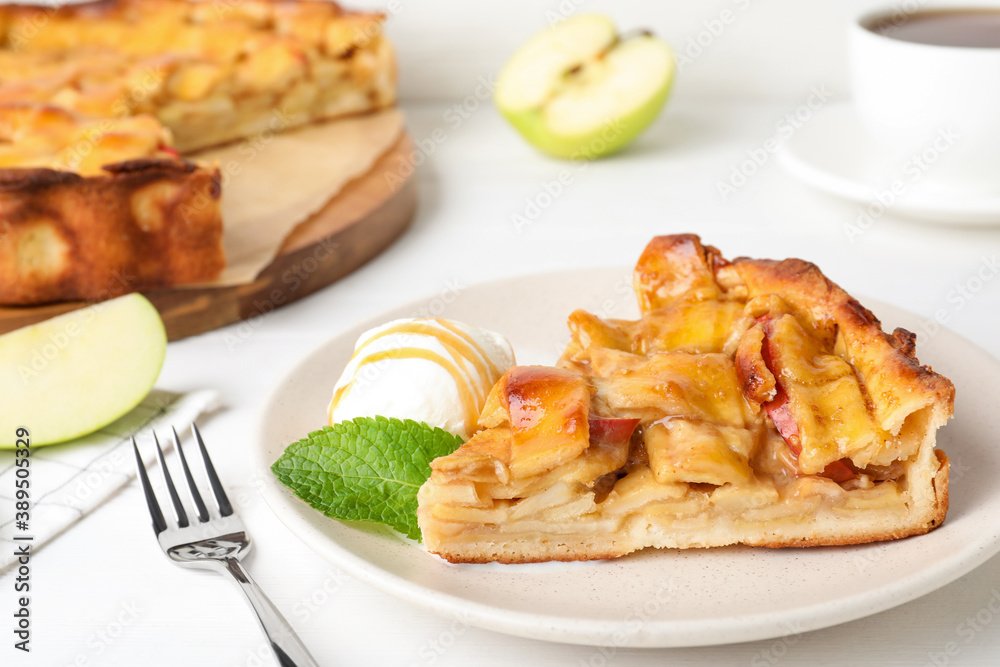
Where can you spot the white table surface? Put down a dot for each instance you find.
(104, 594)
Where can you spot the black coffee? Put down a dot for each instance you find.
(975, 28)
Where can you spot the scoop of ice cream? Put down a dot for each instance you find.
(431, 370)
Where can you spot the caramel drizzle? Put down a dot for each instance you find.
(462, 348)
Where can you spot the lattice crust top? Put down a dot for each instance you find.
(754, 401)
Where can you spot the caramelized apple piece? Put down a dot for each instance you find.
(273, 67)
(640, 489)
(105, 149)
(756, 380)
(461, 494)
(608, 452)
(342, 37)
(612, 434)
(824, 398)
(560, 494)
(682, 450)
(548, 410)
(18, 122)
(494, 409)
(483, 458)
(194, 81)
(672, 266)
(701, 386)
(688, 324)
(811, 395)
(780, 412)
(589, 332)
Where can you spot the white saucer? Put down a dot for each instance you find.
(832, 152)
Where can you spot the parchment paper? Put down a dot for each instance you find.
(274, 180)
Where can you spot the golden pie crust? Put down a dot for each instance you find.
(143, 224)
(754, 402)
(98, 88)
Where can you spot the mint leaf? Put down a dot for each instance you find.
(367, 469)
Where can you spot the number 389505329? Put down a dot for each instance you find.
(22, 483)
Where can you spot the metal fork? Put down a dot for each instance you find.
(216, 542)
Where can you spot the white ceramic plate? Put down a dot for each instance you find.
(652, 598)
(833, 153)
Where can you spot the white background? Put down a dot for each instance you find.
(769, 49)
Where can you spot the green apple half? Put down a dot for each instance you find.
(75, 373)
(578, 90)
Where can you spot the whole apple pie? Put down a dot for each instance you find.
(113, 87)
(754, 402)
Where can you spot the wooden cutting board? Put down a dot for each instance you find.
(355, 226)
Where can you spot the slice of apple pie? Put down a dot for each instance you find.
(754, 402)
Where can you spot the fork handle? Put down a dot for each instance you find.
(287, 646)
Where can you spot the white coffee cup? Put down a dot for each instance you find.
(937, 104)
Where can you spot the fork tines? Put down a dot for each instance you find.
(222, 501)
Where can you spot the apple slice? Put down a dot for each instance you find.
(75, 373)
(613, 431)
(579, 90)
(779, 409)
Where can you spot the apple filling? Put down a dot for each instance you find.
(723, 415)
(207, 73)
(49, 137)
